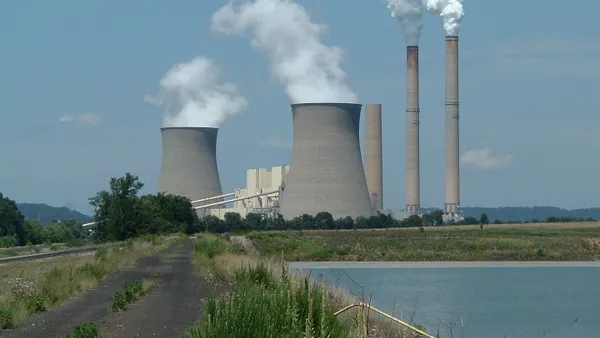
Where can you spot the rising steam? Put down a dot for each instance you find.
(410, 16)
(194, 95)
(451, 12)
(309, 70)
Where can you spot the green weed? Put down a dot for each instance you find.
(87, 330)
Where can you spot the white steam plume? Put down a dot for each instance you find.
(410, 15)
(451, 12)
(309, 70)
(194, 95)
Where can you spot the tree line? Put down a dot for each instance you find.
(121, 213)
(16, 231)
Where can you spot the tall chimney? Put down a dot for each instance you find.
(452, 201)
(412, 130)
(373, 154)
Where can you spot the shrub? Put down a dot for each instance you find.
(87, 330)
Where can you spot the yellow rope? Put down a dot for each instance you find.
(370, 307)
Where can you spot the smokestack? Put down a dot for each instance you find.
(189, 163)
(373, 154)
(452, 201)
(326, 170)
(412, 130)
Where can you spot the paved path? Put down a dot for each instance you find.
(171, 306)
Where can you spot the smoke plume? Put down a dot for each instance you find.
(309, 70)
(410, 16)
(451, 12)
(194, 95)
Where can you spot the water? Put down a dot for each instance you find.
(493, 300)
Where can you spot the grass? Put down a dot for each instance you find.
(439, 244)
(87, 330)
(130, 293)
(35, 286)
(266, 300)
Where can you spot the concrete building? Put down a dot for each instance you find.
(261, 194)
(374, 154)
(189, 164)
(326, 170)
(452, 199)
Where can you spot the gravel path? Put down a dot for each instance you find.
(172, 305)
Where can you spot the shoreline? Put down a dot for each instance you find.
(448, 264)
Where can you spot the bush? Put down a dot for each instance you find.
(87, 330)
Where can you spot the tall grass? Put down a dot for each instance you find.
(266, 300)
(261, 305)
(35, 286)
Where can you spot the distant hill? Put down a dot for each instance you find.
(47, 213)
(530, 213)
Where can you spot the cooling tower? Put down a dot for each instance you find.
(412, 130)
(373, 154)
(326, 170)
(189, 163)
(452, 201)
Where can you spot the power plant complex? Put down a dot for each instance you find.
(326, 171)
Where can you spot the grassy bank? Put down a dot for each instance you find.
(266, 300)
(35, 286)
(426, 244)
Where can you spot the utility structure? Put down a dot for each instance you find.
(326, 170)
(374, 155)
(189, 164)
(452, 200)
(412, 131)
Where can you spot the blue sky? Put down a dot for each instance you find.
(529, 83)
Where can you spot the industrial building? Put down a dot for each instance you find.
(326, 171)
(261, 194)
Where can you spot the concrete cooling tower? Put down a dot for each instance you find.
(373, 154)
(189, 163)
(452, 201)
(326, 170)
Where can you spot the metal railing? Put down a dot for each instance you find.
(372, 308)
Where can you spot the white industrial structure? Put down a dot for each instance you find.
(261, 194)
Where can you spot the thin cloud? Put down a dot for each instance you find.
(87, 119)
(482, 159)
(275, 143)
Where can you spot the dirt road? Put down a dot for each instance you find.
(173, 304)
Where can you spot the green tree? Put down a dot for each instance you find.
(11, 220)
(117, 211)
(484, 219)
(34, 232)
(324, 220)
(234, 221)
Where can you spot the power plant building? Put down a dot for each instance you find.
(261, 194)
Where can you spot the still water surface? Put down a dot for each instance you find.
(493, 300)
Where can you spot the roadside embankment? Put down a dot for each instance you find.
(267, 300)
